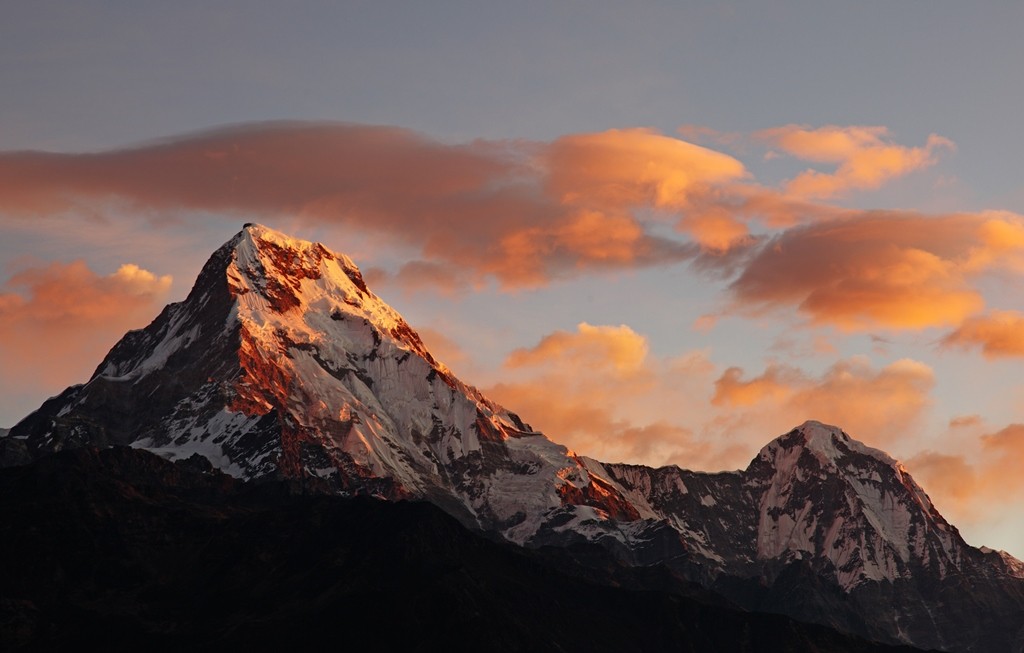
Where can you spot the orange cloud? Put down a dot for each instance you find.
(877, 405)
(589, 346)
(716, 228)
(598, 391)
(67, 296)
(773, 208)
(974, 488)
(774, 384)
(865, 158)
(999, 243)
(590, 426)
(951, 482)
(57, 322)
(1000, 334)
(965, 421)
(588, 239)
(1007, 447)
(633, 168)
(524, 213)
(873, 270)
(519, 212)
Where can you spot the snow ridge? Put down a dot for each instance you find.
(881, 528)
(281, 362)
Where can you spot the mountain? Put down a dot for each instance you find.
(281, 362)
(130, 552)
(281, 365)
(821, 527)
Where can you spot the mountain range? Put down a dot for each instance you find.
(282, 367)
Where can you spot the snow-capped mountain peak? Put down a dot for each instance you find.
(826, 492)
(275, 273)
(282, 362)
(830, 445)
(1012, 565)
(813, 494)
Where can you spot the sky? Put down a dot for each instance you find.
(663, 233)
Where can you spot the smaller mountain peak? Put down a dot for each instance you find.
(1007, 562)
(824, 439)
(816, 433)
(826, 442)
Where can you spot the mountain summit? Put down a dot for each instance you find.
(281, 363)
(813, 493)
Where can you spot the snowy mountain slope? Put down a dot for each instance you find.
(814, 491)
(824, 528)
(281, 363)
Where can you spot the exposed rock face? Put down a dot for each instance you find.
(812, 493)
(822, 527)
(282, 364)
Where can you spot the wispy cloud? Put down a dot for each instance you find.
(865, 157)
(597, 390)
(616, 346)
(879, 405)
(999, 334)
(975, 488)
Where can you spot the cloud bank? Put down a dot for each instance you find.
(57, 322)
(520, 212)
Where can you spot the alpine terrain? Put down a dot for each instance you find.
(282, 366)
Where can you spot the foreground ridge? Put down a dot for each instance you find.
(282, 364)
(403, 575)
